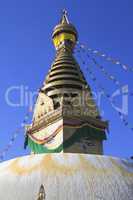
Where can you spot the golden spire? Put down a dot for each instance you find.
(65, 73)
(64, 19)
(41, 195)
(64, 34)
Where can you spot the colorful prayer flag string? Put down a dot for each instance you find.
(107, 74)
(108, 96)
(105, 56)
(17, 131)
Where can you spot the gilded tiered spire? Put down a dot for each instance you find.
(65, 76)
(65, 116)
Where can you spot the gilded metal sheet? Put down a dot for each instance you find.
(63, 82)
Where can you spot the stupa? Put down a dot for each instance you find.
(66, 139)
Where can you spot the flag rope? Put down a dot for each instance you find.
(17, 131)
(105, 57)
(108, 96)
(105, 72)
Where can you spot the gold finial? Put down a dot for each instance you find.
(64, 19)
(41, 195)
(64, 12)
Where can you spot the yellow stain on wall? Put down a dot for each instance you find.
(67, 164)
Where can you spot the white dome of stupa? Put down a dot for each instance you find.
(67, 177)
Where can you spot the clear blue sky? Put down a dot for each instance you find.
(26, 53)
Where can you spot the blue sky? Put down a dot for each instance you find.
(26, 53)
